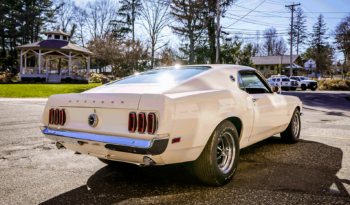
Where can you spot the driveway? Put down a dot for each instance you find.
(315, 170)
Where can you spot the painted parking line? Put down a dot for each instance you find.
(344, 138)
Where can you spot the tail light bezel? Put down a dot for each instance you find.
(142, 125)
(57, 116)
(152, 128)
(62, 117)
(132, 123)
(51, 116)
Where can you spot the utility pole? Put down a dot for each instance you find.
(218, 32)
(291, 39)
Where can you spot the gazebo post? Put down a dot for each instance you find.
(25, 61)
(88, 68)
(39, 61)
(69, 63)
(20, 66)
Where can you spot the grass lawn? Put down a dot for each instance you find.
(42, 90)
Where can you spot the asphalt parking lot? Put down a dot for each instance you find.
(314, 171)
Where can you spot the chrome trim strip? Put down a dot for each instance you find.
(99, 138)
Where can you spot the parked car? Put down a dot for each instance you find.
(305, 83)
(201, 114)
(272, 83)
(286, 84)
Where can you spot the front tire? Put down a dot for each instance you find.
(218, 161)
(292, 133)
(303, 87)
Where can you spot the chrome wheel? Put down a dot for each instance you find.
(225, 152)
(296, 125)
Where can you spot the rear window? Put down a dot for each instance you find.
(166, 76)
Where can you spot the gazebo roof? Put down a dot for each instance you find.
(58, 33)
(55, 45)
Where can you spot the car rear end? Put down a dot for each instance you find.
(121, 127)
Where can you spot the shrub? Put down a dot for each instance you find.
(96, 78)
(5, 77)
(326, 84)
(68, 80)
(15, 78)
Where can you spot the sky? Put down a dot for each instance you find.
(262, 14)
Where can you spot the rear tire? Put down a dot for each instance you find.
(292, 133)
(303, 87)
(218, 161)
(313, 89)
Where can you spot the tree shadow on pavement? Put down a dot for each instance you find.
(304, 167)
(326, 100)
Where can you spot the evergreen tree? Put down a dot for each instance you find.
(129, 11)
(318, 40)
(299, 29)
(190, 21)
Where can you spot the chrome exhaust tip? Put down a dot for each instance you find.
(148, 161)
(59, 146)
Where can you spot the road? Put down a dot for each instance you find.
(315, 170)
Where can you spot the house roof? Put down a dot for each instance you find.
(273, 60)
(55, 45)
(295, 66)
(57, 33)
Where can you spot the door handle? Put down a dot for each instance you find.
(255, 99)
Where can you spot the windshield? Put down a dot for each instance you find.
(166, 76)
(304, 78)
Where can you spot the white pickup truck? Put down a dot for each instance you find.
(305, 83)
(286, 83)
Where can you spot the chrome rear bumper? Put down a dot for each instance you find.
(115, 143)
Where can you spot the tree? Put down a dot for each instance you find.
(155, 17)
(299, 29)
(342, 37)
(230, 51)
(120, 54)
(129, 11)
(318, 40)
(66, 12)
(273, 45)
(212, 8)
(97, 15)
(189, 18)
(245, 57)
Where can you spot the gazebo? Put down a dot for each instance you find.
(54, 59)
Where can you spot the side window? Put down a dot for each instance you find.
(240, 82)
(253, 84)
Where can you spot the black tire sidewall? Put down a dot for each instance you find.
(220, 177)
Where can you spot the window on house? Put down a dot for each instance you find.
(272, 67)
(49, 37)
(57, 36)
(261, 67)
(65, 38)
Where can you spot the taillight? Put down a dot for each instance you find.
(62, 117)
(281, 83)
(142, 122)
(51, 116)
(56, 118)
(152, 123)
(132, 122)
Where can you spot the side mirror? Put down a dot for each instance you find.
(275, 89)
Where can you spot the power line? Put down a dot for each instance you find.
(246, 14)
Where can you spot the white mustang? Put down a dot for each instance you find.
(202, 114)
